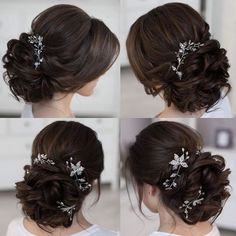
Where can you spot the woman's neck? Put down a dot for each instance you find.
(172, 111)
(170, 223)
(79, 224)
(58, 106)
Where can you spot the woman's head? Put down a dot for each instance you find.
(149, 165)
(45, 185)
(77, 50)
(152, 44)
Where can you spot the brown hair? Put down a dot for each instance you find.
(78, 49)
(44, 185)
(152, 44)
(148, 163)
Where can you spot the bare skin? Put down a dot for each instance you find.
(60, 104)
(76, 227)
(169, 221)
(173, 112)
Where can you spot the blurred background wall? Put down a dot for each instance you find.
(219, 138)
(16, 137)
(220, 14)
(16, 17)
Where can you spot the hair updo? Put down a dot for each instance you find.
(148, 163)
(77, 49)
(152, 44)
(44, 185)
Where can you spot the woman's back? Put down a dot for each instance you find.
(16, 227)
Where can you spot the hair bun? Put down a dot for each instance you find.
(43, 186)
(152, 44)
(205, 75)
(207, 172)
(23, 79)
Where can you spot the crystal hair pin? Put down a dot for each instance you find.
(188, 205)
(184, 49)
(42, 159)
(37, 42)
(68, 209)
(176, 164)
(77, 170)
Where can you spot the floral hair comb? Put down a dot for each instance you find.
(68, 209)
(176, 164)
(76, 170)
(188, 205)
(37, 42)
(184, 49)
(42, 159)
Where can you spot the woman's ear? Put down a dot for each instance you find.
(151, 197)
(154, 191)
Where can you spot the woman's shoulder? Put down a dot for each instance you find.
(156, 233)
(213, 232)
(97, 230)
(15, 228)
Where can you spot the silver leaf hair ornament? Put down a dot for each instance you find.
(68, 209)
(37, 42)
(42, 159)
(189, 205)
(176, 164)
(76, 170)
(184, 49)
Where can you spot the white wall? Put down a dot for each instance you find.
(17, 135)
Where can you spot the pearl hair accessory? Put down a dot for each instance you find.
(42, 159)
(68, 209)
(184, 50)
(176, 164)
(37, 42)
(188, 205)
(76, 170)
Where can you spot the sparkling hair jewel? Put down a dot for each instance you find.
(184, 49)
(37, 42)
(76, 171)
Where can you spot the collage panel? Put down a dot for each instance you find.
(59, 174)
(179, 59)
(59, 58)
(178, 177)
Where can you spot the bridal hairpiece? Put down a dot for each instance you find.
(37, 42)
(68, 209)
(184, 49)
(188, 205)
(42, 159)
(179, 161)
(176, 164)
(76, 170)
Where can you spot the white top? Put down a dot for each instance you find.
(27, 111)
(221, 110)
(214, 232)
(16, 228)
